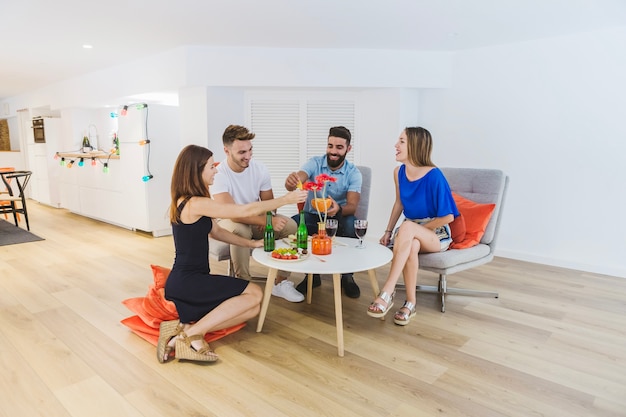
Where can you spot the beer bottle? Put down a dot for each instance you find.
(268, 237)
(302, 234)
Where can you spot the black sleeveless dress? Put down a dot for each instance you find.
(190, 285)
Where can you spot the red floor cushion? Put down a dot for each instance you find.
(152, 309)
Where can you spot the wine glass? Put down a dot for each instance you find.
(360, 228)
(331, 227)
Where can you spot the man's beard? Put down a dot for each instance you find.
(334, 164)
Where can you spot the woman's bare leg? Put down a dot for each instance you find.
(412, 239)
(410, 271)
(231, 312)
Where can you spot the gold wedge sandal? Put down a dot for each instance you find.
(184, 350)
(378, 310)
(402, 318)
(167, 330)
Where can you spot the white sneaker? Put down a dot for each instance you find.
(285, 289)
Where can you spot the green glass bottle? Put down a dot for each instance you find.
(302, 234)
(268, 237)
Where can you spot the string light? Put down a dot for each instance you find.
(114, 151)
(148, 176)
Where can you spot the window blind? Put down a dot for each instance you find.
(289, 131)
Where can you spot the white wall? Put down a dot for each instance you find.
(13, 159)
(198, 66)
(308, 67)
(551, 114)
(381, 116)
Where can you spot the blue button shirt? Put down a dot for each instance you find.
(348, 177)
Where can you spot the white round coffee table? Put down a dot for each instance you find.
(345, 258)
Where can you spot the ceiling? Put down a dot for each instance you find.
(41, 41)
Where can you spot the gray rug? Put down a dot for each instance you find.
(11, 235)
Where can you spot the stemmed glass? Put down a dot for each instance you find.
(331, 228)
(360, 228)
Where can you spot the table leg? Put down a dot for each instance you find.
(309, 286)
(338, 312)
(374, 282)
(267, 294)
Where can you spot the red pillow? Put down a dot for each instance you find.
(457, 228)
(150, 334)
(136, 305)
(476, 217)
(160, 274)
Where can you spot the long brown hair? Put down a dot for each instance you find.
(419, 146)
(187, 177)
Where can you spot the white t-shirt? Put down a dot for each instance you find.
(244, 187)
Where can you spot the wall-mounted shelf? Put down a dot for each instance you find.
(88, 155)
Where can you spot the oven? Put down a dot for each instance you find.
(38, 130)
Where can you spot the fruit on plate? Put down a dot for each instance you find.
(286, 254)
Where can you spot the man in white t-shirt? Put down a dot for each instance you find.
(242, 180)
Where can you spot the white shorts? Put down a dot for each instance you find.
(443, 233)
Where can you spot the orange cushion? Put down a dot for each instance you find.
(152, 309)
(476, 217)
(151, 334)
(160, 274)
(136, 306)
(457, 228)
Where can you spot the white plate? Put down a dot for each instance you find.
(300, 258)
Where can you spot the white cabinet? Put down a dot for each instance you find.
(120, 196)
(44, 180)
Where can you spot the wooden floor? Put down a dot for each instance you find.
(553, 344)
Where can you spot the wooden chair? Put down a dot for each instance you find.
(15, 201)
(3, 188)
(220, 251)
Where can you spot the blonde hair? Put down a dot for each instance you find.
(419, 146)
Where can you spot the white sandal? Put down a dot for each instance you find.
(378, 310)
(402, 318)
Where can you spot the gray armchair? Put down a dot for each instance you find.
(482, 186)
(220, 251)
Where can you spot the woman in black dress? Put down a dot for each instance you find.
(205, 302)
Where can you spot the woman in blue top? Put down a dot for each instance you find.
(205, 302)
(424, 197)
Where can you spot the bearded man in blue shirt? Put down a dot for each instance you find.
(344, 193)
